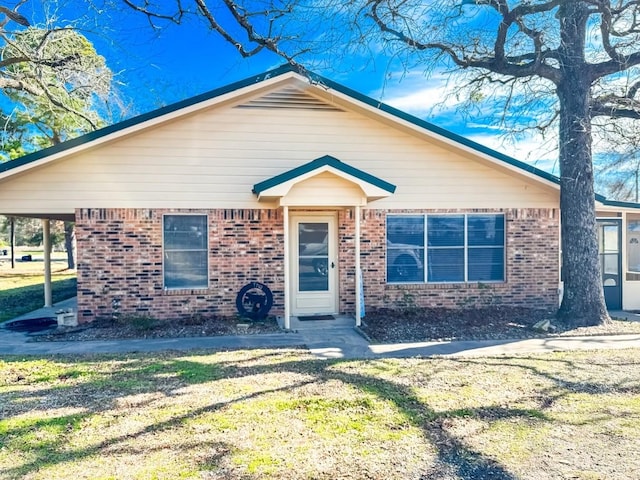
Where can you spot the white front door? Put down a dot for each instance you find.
(314, 264)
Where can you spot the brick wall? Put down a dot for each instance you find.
(120, 260)
(532, 251)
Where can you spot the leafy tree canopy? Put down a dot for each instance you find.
(54, 84)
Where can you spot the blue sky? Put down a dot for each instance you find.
(155, 68)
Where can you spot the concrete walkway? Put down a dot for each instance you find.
(324, 339)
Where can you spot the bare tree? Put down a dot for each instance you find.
(618, 166)
(587, 49)
(582, 54)
(251, 27)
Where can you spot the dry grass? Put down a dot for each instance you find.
(33, 268)
(281, 414)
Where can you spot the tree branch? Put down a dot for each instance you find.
(255, 41)
(624, 62)
(615, 107)
(498, 62)
(14, 84)
(175, 18)
(14, 15)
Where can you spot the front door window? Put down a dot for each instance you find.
(314, 263)
(313, 256)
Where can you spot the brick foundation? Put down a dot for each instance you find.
(120, 263)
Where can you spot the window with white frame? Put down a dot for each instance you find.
(633, 247)
(185, 252)
(445, 248)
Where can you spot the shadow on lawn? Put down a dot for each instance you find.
(20, 300)
(168, 373)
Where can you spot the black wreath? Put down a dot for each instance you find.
(254, 301)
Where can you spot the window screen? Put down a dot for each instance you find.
(445, 240)
(185, 251)
(405, 249)
(485, 237)
(459, 248)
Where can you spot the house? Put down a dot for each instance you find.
(292, 185)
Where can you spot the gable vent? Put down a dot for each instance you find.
(290, 98)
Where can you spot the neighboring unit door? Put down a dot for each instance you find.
(314, 264)
(609, 244)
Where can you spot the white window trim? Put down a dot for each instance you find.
(425, 248)
(190, 214)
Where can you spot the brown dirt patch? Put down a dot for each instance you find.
(146, 327)
(381, 326)
(423, 324)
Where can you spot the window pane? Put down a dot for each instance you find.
(313, 257)
(633, 249)
(486, 264)
(405, 231)
(405, 265)
(485, 230)
(185, 269)
(446, 265)
(445, 231)
(405, 249)
(609, 264)
(185, 251)
(185, 232)
(608, 238)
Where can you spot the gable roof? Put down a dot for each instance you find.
(88, 139)
(325, 163)
(286, 71)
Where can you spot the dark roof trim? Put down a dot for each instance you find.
(616, 203)
(432, 128)
(327, 160)
(314, 78)
(137, 120)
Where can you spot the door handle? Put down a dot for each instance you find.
(333, 265)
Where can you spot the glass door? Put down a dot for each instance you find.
(314, 264)
(609, 245)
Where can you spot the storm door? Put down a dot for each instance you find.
(609, 244)
(314, 263)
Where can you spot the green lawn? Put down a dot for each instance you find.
(22, 287)
(281, 414)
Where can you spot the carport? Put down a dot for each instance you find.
(46, 244)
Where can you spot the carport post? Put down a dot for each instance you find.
(46, 241)
(359, 285)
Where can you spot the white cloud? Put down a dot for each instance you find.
(422, 101)
(414, 93)
(533, 149)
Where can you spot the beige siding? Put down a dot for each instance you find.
(213, 158)
(325, 189)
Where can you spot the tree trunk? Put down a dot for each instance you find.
(583, 300)
(70, 244)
